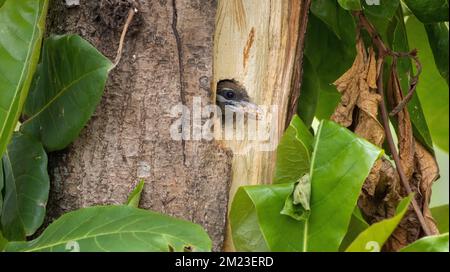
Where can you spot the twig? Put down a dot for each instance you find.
(383, 51)
(133, 10)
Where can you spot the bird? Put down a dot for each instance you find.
(232, 96)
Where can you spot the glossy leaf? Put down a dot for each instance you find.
(438, 243)
(117, 228)
(293, 153)
(432, 89)
(329, 55)
(2, 184)
(21, 28)
(27, 186)
(440, 215)
(429, 11)
(69, 84)
(135, 196)
(357, 225)
(377, 234)
(438, 35)
(309, 94)
(352, 5)
(3, 242)
(400, 43)
(340, 164)
(382, 16)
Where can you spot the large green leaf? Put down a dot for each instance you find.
(438, 37)
(3, 242)
(400, 43)
(69, 84)
(2, 2)
(293, 153)
(21, 28)
(2, 184)
(441, 214)
(382, 16)
(117, 228)
(329, 56)
(438, 243)
(374, 237)
(429, 11)
(309, 94)
(340, 163)
(26, 187)
(432, 89)
(350, 4)
(357, 225)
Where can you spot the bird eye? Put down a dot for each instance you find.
(230, 95)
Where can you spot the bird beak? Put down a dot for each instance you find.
(252, 110)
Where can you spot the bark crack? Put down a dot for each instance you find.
(180, 65)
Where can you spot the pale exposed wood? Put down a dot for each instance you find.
(256, 43)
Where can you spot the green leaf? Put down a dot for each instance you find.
(2, 184)
(352, 5)
(429, 11)
(328, 64)
(3, 242)
(2, 2)
(293, 153)
(438, 243)
(432, 89)
(117, 228)
(374, 237)
(21, 26)
(340, 163)
(256, 222)
(69, 85)
(27, 185)
(400, 44)
(309, 94)
(135, 196)
(438, 38)
(357, 225)
(440, 214)
(382, 16)
(297, 204)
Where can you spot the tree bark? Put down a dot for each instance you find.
(167, 60)
(259, 43)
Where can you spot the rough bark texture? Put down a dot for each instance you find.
(167, 60)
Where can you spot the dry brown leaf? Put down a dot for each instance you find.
(350, 85)
(428, 170)
(405, 130)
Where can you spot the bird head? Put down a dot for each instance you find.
(231, 96)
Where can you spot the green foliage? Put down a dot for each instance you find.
(21, 26)
(350, 4)
(3, 242)
(117, 228)
(438, 37)
(26, 187)
(135, 196)
(374, 237)
(357, 225)
(438, 243)
(69, 84)
(429, 11)
(440, 214)
(340, 163)
(432, 89)
(296, 144)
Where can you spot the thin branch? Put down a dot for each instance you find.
(133, 10)
(384, 51)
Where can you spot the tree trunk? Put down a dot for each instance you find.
(167, 60)
(259, 43)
